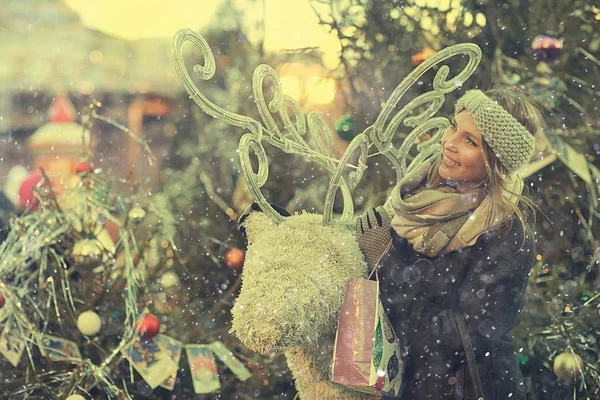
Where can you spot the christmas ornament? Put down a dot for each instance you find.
(110, 231)
(148, 327)
(75, 397)
(345, 128)
(86, 220)
(88, 252)
(568, 366)
(422, 55)
(546, 47)
(2, 300)
(584, 297)
(202, 363)
(223, 62)
(26, 192)
(83, 167)
(169, 280)
(234, 258)
(89, 323)
(524, 362)
(137, 214)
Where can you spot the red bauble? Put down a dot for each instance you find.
(113, 230)
(422, 55)
(148, 327)
(26, 196)
(83, 167)
(546, 47)
(380, 382)
(234, 258)
(2, 300)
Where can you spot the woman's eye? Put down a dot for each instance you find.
(471, 142)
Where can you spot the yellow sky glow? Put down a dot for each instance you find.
(288, 24)
(135, 19)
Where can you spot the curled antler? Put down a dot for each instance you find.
(320, 134)
(361, 143)
(250, 141)
(291, 137)
(382, 134)
(256, 180)
(206, 72)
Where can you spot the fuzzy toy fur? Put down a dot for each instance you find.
(294, 280)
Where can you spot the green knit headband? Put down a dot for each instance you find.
(508, 138)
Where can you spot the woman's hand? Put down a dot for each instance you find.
(373, 235)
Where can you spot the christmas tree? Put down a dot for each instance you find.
(98, 300)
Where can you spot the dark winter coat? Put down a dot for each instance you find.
(486, 282)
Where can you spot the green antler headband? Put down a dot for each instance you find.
(510, 140)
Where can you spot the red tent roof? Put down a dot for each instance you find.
(62, 110)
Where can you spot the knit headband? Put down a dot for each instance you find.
(508, 138)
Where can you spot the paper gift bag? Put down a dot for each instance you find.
(367, 356)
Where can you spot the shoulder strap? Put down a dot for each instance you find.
(472, 363)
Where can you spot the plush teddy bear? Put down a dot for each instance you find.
(293, 284)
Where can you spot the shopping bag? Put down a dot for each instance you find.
(367, 355)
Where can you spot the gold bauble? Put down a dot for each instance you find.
(75, 397)
(137, 214)
(88, 252)
(89, 323)
(84, 219)
(170, 280)
(568, 366)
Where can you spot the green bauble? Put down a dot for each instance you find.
(584, 297)
(345, 128)
(524, 362)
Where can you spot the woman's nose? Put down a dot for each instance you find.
(449, 143)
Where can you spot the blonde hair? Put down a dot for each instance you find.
(527, 113)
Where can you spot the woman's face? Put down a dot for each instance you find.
(462, 155)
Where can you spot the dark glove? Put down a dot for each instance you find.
(373, 235)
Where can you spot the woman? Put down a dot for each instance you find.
(462, 249)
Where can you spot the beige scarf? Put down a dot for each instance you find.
(441, 220)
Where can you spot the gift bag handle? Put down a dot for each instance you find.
(387, 249)
(470, 355)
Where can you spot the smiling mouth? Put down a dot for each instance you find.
(450, 162)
